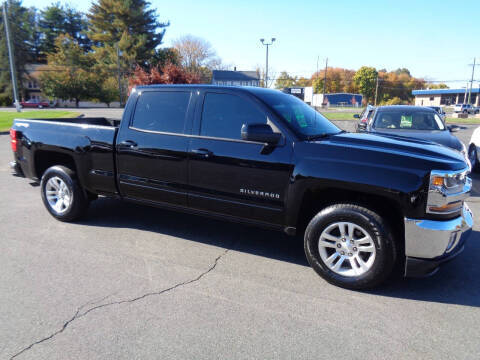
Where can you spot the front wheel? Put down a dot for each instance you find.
(350, 246)
(62, 195)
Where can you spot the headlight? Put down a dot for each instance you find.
(447, 191)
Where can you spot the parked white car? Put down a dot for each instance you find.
(473, 149)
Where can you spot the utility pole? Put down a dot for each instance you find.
(266, 60)
(471, 81)
(325, 81)
(11, 57)
(376, 91)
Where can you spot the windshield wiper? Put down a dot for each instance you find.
(318, 136)
(323, 135)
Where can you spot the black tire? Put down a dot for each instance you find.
(473, 157)
(375, 226)
(79, 201)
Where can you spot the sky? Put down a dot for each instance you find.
(429, 37)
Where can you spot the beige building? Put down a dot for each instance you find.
(445, 97)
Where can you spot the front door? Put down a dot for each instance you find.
(230, 176)
(152, 149)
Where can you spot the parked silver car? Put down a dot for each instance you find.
(466, 109)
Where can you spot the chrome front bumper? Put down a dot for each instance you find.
(431, 242)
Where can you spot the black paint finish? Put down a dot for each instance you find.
(234, 179)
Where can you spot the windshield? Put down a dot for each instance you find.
(298, 116)
(408, 120)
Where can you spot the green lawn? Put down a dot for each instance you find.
(463, 121)
(340, 115)
(6, 117)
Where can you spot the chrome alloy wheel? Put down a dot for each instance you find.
(347, 249)
(58, 194)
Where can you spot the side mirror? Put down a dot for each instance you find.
(260, 133)
(453, 128)
(356, 116)
(362, 126)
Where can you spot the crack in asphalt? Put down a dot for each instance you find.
(79, 314)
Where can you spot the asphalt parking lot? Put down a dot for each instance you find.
(133, 282)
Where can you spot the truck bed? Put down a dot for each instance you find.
(88, 143)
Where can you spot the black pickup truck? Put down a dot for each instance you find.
(363, 202)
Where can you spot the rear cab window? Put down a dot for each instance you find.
(161, 111)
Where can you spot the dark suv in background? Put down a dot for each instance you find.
(418, 122)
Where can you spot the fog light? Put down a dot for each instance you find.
(454, 237)
(457, 205)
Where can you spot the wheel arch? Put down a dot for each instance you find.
(45, 159)
(314, 200)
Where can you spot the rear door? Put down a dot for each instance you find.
(228, 175)
(152, 148)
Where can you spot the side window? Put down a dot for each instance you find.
(161, 111)
(224, 114)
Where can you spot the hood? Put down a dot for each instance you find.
(442, 137)
(391, 151)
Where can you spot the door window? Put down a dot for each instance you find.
(224, 114)
(161, 111)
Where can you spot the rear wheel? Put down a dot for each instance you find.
(350, 246)
(62, 195)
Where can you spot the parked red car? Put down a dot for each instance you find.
(33, 103)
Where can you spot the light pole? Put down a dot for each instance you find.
(11, 58)
(266, 61)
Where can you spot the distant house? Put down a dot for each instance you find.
(238, 78)
(31, 83)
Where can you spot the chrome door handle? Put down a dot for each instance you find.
(203, 153)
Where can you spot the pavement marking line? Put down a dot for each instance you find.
(78, 314)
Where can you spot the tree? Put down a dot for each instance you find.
(437, 86)
(130, 25)
(56, 20)
(365, 79)
(197, 56)
(22, 32)
(107, 91)
(69, 74)
(285, 80)
(168, 74)
(338, 80)
(303, 82)
(401, 71)
(166, 56)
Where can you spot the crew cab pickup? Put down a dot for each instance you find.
(364, 203)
